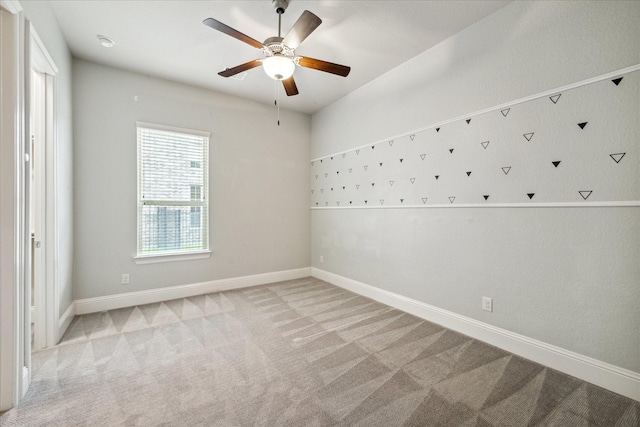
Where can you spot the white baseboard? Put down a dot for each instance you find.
(65, 320)
(614, 378)
(110, 302)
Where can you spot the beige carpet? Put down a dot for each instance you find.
(296, 353)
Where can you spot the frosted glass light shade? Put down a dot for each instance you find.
(278, 67)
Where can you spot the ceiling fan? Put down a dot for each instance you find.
(280, 60)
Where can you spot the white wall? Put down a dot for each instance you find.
(259, 181)
(565, 276)
(46, 26)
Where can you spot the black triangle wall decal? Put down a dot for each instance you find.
(451, 150)
(585, 194)
(391, 183)
(485, 144)
(617, 157)
(344, 155)
(331, 157)
(531, 195)
(365, 167)
(365, 202)
(373, 183)
(350, 169)
(373, 147)
(528, 136)
(424, 200)
(437, 176)
(391, 143)
(505, 111)
(617, 81)
(437, 129)
(486, 197)
(422, 156)
(582, 125)
(412, 180)
(337, 172)
(401, 160)
(380, 163)
(468, 121)
(412, 136)
(357, 186)
(401, 200)
(555, 98)
(506, 170)
(556, 163)
(350, 202)
(451, 199)
(357, 152)
(468, 173)
(337, 203)
(382, 201)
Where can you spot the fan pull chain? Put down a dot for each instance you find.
(277, 101)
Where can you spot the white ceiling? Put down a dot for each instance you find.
(167, 39)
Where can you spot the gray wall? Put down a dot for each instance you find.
(46, 26)
(259, 181)
(565, 276)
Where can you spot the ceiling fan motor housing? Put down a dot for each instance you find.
(274, 46)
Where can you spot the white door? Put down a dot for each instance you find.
(42, 196)
(37, 223)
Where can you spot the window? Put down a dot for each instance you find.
(173, 179)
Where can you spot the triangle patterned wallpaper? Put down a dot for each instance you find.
(579, 145)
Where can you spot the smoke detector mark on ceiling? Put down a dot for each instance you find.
(105, 41)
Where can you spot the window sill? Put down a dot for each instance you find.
(154, 259)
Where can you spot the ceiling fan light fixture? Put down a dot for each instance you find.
(278, 67)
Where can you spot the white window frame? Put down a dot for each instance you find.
(167, 256)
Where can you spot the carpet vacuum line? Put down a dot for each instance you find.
(343, 326)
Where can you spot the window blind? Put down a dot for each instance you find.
(173, 177)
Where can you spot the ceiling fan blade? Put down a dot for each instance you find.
(327, 67)
(217, 25)
(304, 26)
(240, 68)
(290, 86)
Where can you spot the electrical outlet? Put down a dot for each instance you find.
(487, 304)
(321, 259)
(125, 279)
